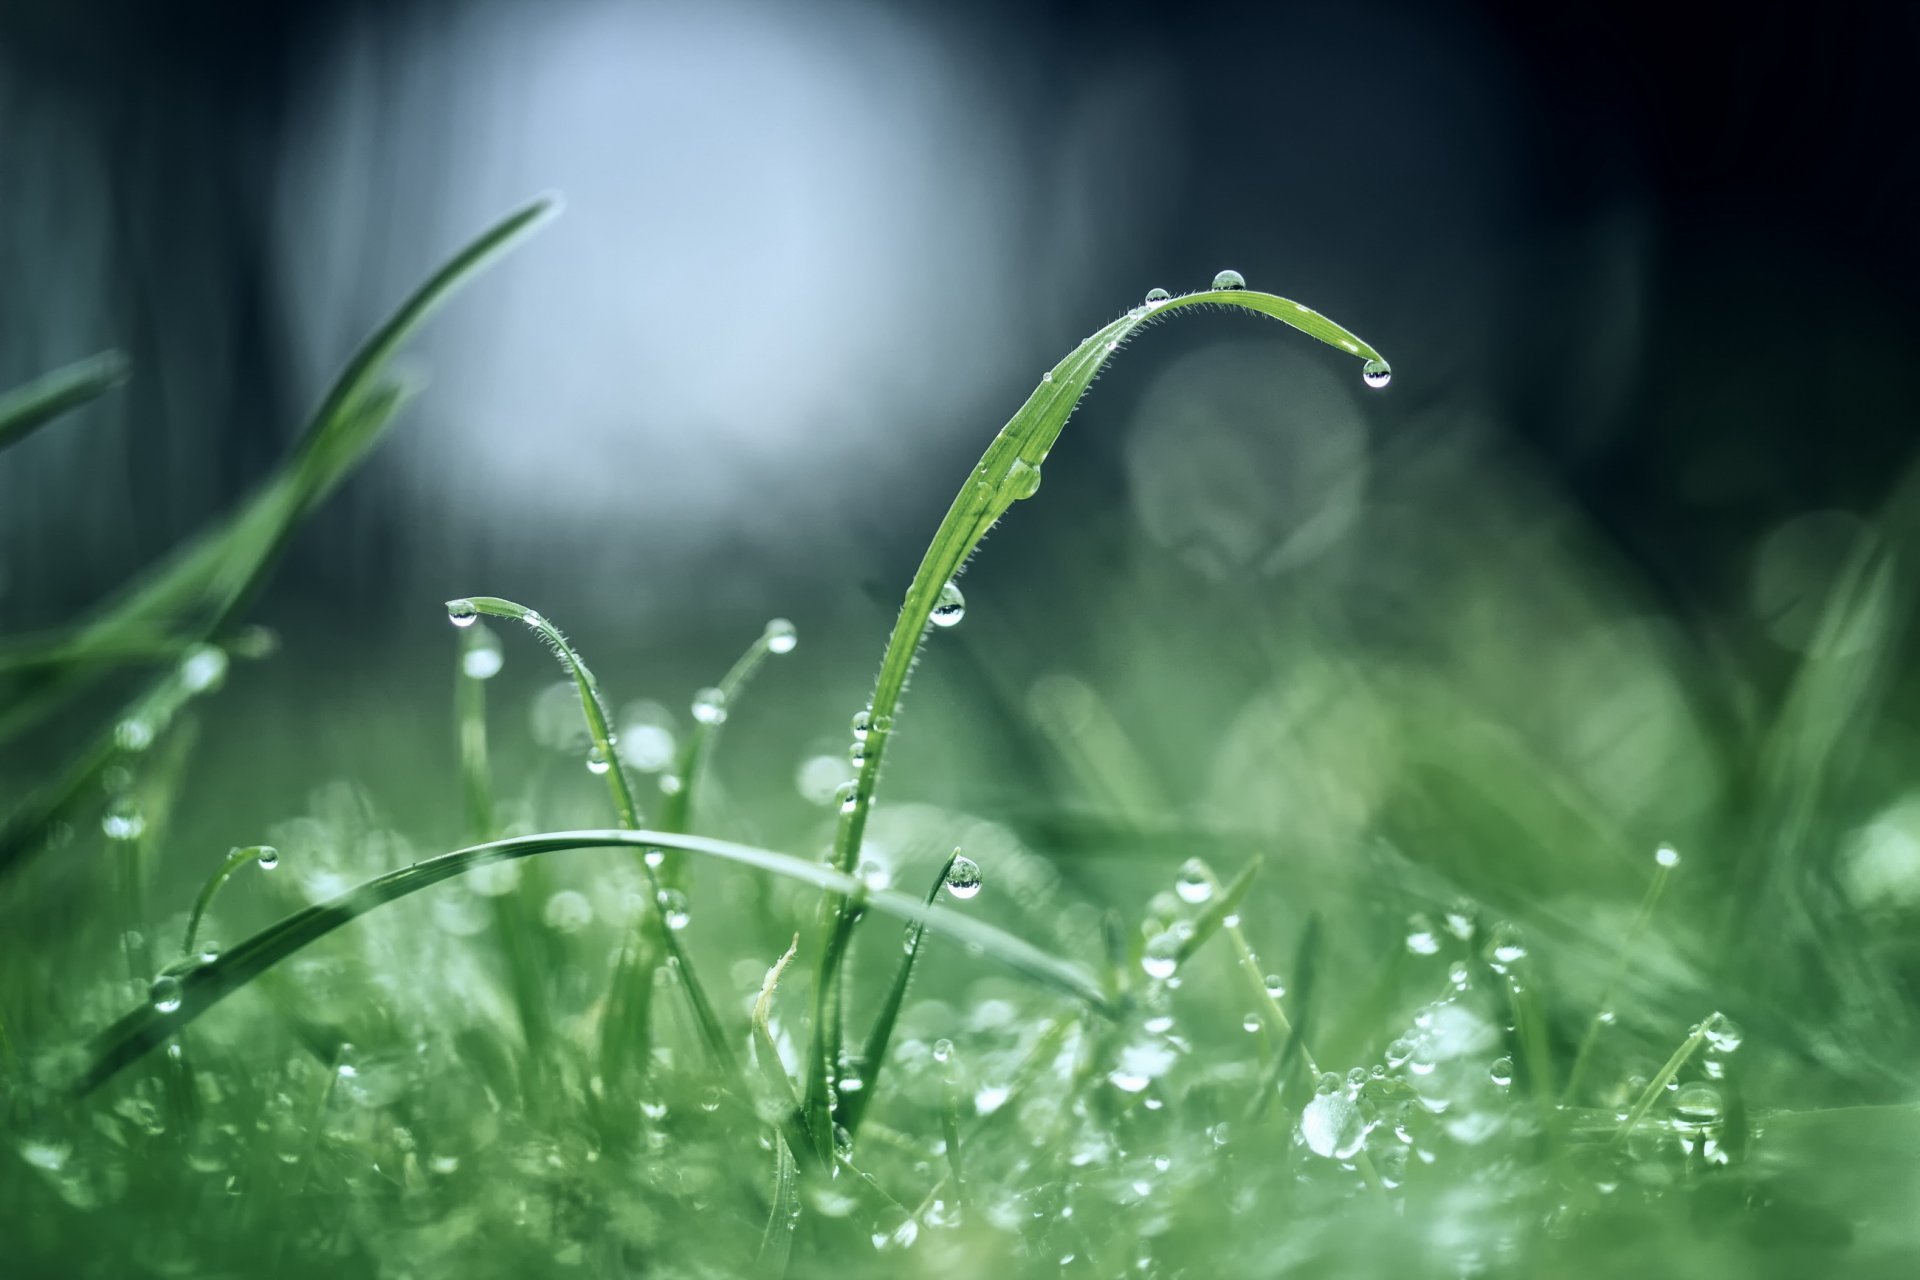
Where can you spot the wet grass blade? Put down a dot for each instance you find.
(24, 410)
(1224, 906)
(1009, 471)
(204, 584)
(1296, 1042)
(875, 1055)
(201, 988)
(783, 1217)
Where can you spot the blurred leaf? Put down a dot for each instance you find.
(25, 410)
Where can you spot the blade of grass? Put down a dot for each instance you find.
(1223, 906)
(1295, 1045)
(791, 1134)
(26, 409)
(143, 1028)
(854, 1106)
(783, 1217)
(1007, 472)
(265, 855)
(1664, 862)
(594, 711)
(1657, 1085)
(202, 586)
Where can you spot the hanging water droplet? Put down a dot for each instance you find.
(1157, 295)
(669, 784)
(857, 754)
(1501, 1072)
(1161, 956)
(963, 877)
(165, 993)
(1194, 884)
(874, 874)
(1667, 856)
(1458, 975)
(1505, 947)
(461, 613)
(209, 951)
(1460, 921)
(1697, 1104)
(1376, 373)
(267, 856)
(849, 794)
(654, 858)
(204, 667)
(483, 655)
(1421, 939)
(781, 636)
(1023, 480)
(1229, 279)
(943, 1050)
(1723, 1033)
(673, 908)
(597, 762)
(862, 725)
(950, 607)
(1250, 1023)
(1276, 987)
(710, 706)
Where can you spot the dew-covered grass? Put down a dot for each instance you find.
(619, 1026)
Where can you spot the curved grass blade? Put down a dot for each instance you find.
(600, 730)
(26, 409)
(677, 813)
(205, 583)
(1008, 472)
(874, 1056)
(1225, 904)
(783, 1217)
(265, 855)
(206, 985)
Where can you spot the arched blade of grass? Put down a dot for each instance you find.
(204, 584)
(610, 767)
(676, 814)
(143, 1028)
(26, 409)
(791, 1137)
(1223, 906)
(1295, 1046)
(1008, 472)
(854, 1105)
(1656, 888)
(264, 856)
(1658, 1085)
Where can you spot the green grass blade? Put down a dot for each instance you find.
(26, 409)
(600, 730)
(204, 584)
(677, 813)
(874, 1056)
(1008, 472)
(265, 855)
(783, 1216)
(1225, 905)
(201, 988)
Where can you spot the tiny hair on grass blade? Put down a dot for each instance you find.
(146, 1027)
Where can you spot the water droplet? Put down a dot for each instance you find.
(1606, 1017)
(1229, 279)
(209, 951)
(1331, 1125)
(1505, 948)
(1047, 376)
(123, 820)
(165, 993)
(857, 754)
(1458, 975)
(862, 725)
(669, 784)
(943, 1050)
(654, 858)
(1276, 988)
(1194, 885)
(781, 636)
(1723, 1033)
(597, 762)
(204, 667)
(1501, 1072)
(1157, 295)
(673, 909)
(1161, 956)
(1250, 1023)
(1376, 373)
(1460, 921)
(1667, 856)
(1399, 1051)
(874, 874)
(849, 794)
(1023, 480)
(950, 607)
(963, 877)
(710, 706)
(267, 856)
(1421, 939)
(133, 734)
(483, 655)
(1697, 1103)
(567, 911)
(461, 613)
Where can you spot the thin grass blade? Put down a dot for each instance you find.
(26, 409)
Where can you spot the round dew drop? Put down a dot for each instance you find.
(1376, 373)
(963, 877)
(942, 1050)
(862, 725)
(781, 636)
(165, 993)
(950, 607)
(710, 706)
(1161, 956)
(597, 762)
(1666, 856)
(1194, 885)
(1229, 279)
(849, 796)
(1501, 1072)
(1276, 987)
(461, 613)
(1157, 295)
(267, 856)
(673, 909)
(1023, 480)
